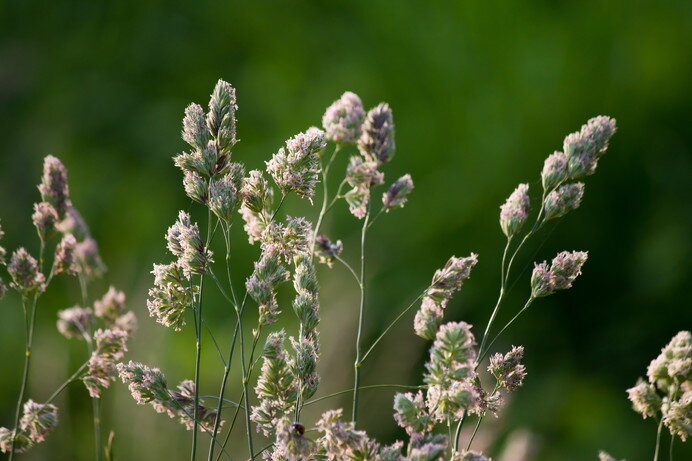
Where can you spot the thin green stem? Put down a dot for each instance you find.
(457, 433)
(658, 440)
(361, 316)
(391, 325)
(325, 199)
(29, 321)
(499, 298)
(516, 316)
(350, 269)
(67, 382)
(475, 431)
(198, 348)
(372, 386)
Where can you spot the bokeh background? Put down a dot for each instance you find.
(482, 92)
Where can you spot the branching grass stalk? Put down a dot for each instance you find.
(507, 325)
(361, 314)
(372, 386)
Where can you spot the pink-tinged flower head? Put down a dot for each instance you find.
(515, 210)
(75, 322)
(296, 167)
(89, 259)
(111, 305)
(508, 369)
(224, 193)
(44, 218)
(397, 194)
(554, 170)
(221, 117)
(644, 399)
(583, 148)
(26, 278)
(195, 130)
(563, 200)
(54, 188)
(559, 275)
(376, 142)
(65, 260)
(344, 118)
(38, 419)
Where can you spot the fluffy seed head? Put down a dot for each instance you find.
(559, 275)
(644, 399)
(343, 120)
(110, 306)
(38, 419)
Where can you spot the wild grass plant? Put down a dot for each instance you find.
(465, 380)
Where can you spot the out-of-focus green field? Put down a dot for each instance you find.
(482, 92)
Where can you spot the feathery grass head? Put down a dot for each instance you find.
(644, 399)
(559, 275)
(221, 119)
(554, 170)
(89, 258)
(38, 419)
(508, 369)
(110, 306)
(170, 296)
(44, 218)
(411, 413)
(584, 147)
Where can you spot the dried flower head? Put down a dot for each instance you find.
(554, 170)
(563, 200)
(515, 210)
(376, 142)
(508, 369)
(23, 269)
(38, 419)
(397, 194)
(75, 322)
(65, 260)
(583, 148)
(644, 399)
(343, 120)
(44, 218)
(296, 167)
(326, 250)
(54, 188)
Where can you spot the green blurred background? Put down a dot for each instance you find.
(482, 92)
